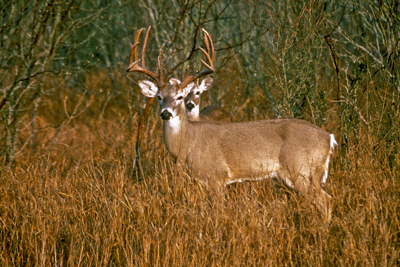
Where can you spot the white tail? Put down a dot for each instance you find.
(217, 153)
(209, 113)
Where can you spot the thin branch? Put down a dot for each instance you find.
(56, 73)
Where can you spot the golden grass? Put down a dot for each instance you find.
(78, 201)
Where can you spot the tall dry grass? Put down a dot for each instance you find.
(77, 200)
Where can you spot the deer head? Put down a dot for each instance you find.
(192, 100)
(170, 94)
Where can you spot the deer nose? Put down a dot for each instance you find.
(166, 115)
(189, 106)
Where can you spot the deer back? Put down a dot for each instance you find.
(215, 113)
(248, 150)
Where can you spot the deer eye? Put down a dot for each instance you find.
(159, 97)
(198, 92)
(180, 98)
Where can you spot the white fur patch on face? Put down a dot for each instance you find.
(190, 102)
(170, 111)
(195, 111)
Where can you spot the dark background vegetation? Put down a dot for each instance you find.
(71, 195)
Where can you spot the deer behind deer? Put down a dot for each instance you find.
(217, 153)
(209, 113)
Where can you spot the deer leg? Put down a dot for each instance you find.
(311, 187)
(323, 203)
(322, 199)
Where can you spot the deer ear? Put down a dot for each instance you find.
(174, 81)
(148, 88)
(190, 87)
(206, 84)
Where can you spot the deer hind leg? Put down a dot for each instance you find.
(323, 202)
(308, 183)
(321, 199)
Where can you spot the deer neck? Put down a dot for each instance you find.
(176, 136)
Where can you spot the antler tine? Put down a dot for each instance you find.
(159, 59)
(134, 66)
(159, 70)
(208, 39)
(144, 47)
(208, 42)
(209, 66)
(133, 52)
(134, 49)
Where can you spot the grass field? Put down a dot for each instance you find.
(75, 198)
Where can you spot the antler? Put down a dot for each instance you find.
(209, 54)
(134, 65)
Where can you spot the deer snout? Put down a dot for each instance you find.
(166, 115)
(190, 106)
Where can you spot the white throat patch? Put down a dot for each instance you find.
(173, 124)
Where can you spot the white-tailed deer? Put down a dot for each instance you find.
(217, 153)
(209, 113)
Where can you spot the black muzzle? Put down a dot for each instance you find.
(166, 115)
(189, 106)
